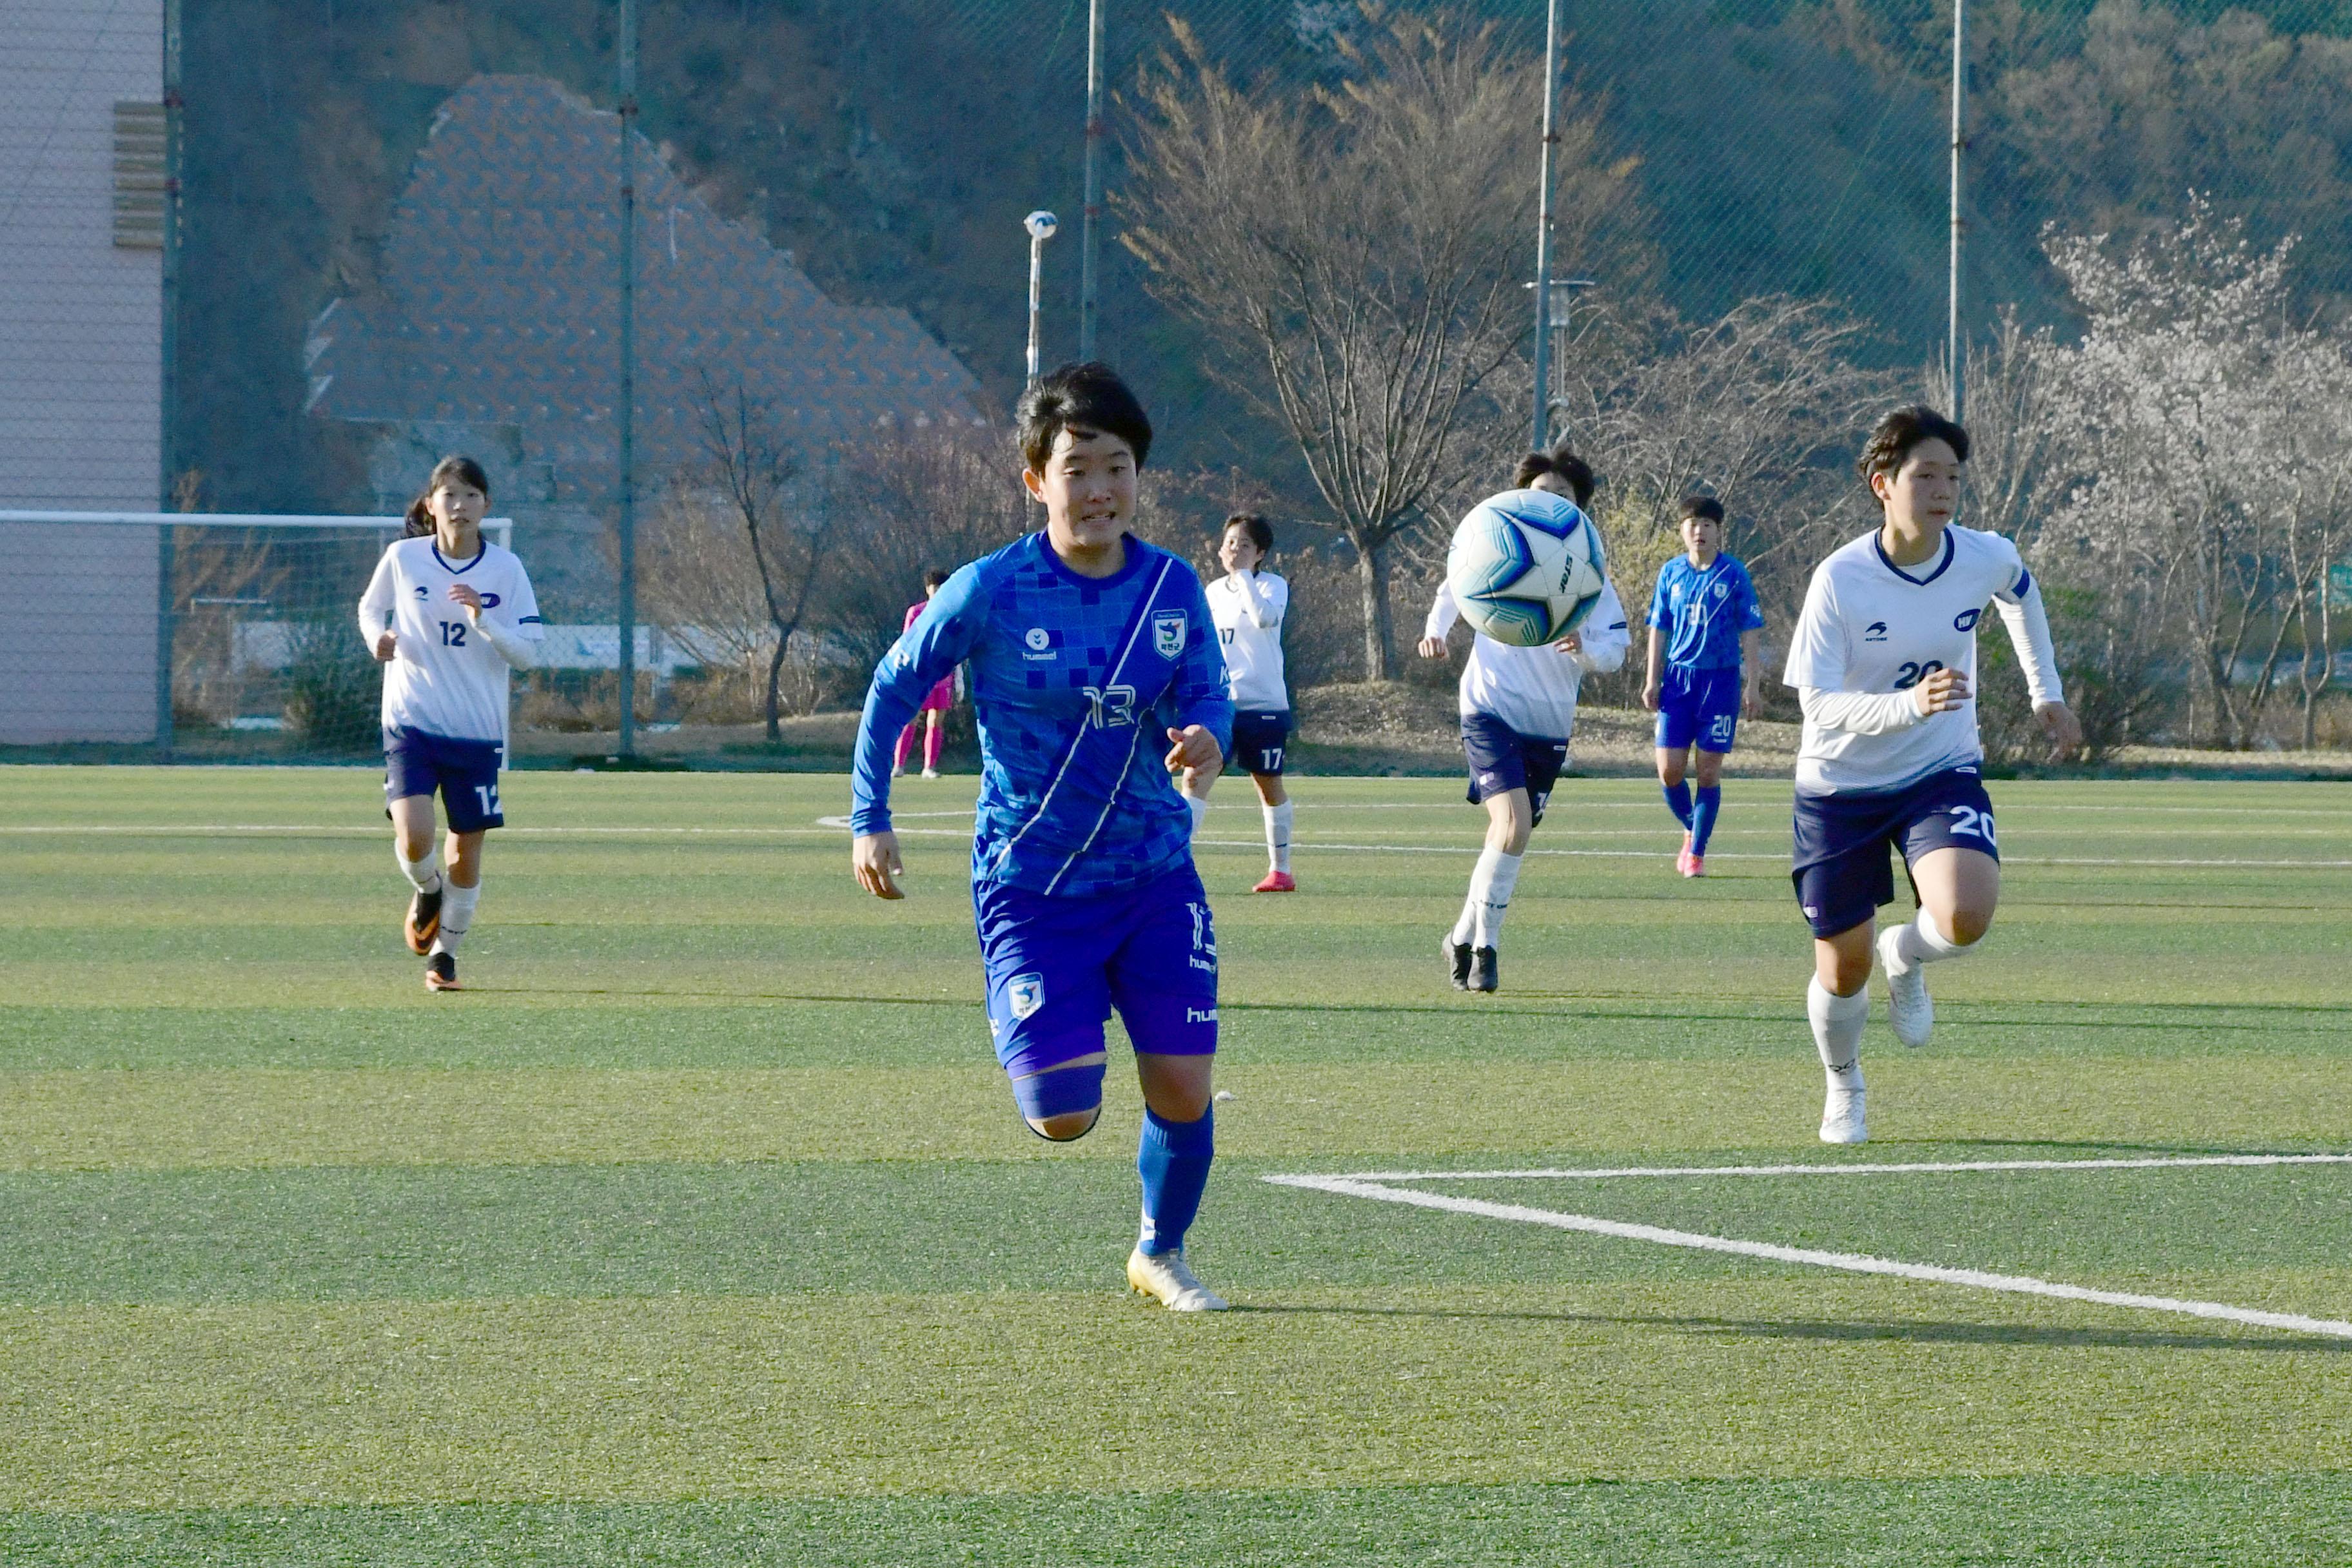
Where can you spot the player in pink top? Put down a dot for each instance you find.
(932, 715)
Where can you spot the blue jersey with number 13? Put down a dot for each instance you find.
(1076, 681)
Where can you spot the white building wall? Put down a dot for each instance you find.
(80, 375)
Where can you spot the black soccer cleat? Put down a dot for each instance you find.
(423, 920)
(1486, 973)
(1457, 961)
(441, 973)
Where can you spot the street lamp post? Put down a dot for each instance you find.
(1041, 226)
(1543, 225)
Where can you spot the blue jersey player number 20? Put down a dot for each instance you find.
(1095, 677)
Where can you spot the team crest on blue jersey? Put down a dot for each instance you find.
(1168, 633)
(1024, 994)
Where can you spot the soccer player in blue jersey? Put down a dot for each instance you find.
(1704, 625)
(1095, 677)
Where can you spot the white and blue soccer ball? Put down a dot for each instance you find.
(1526, 567)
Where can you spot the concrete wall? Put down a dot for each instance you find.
(80, 376)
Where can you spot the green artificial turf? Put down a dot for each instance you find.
(699, 1229)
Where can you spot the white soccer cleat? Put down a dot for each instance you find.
(1841, 1120)
(1908, 1005)
(1167, 1279)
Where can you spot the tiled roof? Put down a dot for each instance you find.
(500, 303)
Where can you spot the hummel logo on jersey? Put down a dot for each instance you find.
(1024, 994)
(1041, 644)
(1168, 633)
(1874, 632)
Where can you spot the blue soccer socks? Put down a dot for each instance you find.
(1702, 817)
(1172, 1158)
(1678, 800)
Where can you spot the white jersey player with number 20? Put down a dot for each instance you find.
(448, 613)
(1884, 658)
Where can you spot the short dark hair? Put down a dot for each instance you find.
(935, 578)
(1085, 396)
(1706, 507)
(1250, 523)
(1902, 430)
(1572, 469)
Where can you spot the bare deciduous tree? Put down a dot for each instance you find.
(907, 504)
(1359, 250)
(737, 553)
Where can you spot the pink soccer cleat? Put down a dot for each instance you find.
(1277, 882)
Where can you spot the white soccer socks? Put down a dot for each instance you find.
(1837, 1034)
(1919, 942)
(1200, 805)
(1277, 834)
(424, 875)
(1491, 882)
(1837, 1030)
(456, 914)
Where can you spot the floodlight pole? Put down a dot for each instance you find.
(1543, 228)
(1041, 226)
(1960, 146)
(1090, 234)
(625, 411)
(168, 393)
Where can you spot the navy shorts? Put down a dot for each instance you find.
(1057, 967)
(1258, 740)
(1698, 708)
(465, 773)
(1503, 759)
(1842, 872)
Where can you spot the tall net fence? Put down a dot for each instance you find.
(385, 232)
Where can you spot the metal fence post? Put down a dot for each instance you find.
(626, 411)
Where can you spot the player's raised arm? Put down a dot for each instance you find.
(941, 638)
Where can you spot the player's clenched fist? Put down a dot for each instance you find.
(1941, 692)
(1193, 749)
(387, 643)
(875, 860)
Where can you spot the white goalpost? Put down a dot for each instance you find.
(165, 629)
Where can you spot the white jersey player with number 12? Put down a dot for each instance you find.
(1884, 658)
(1248, 606)
(449, 614)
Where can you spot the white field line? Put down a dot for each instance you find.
(1916, 1167)
(831, 825)
(1849, 1262)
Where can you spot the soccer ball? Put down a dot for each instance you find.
(1526, 567)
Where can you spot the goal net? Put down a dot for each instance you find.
(207, 634)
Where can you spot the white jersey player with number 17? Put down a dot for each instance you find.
(1248, 606)
(1884, 658)
(448, 613)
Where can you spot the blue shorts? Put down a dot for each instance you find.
(1057, 967)
(1258, 740)
(1842, 872)
(1698, 708)
(1503, 759)
(464, 773)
